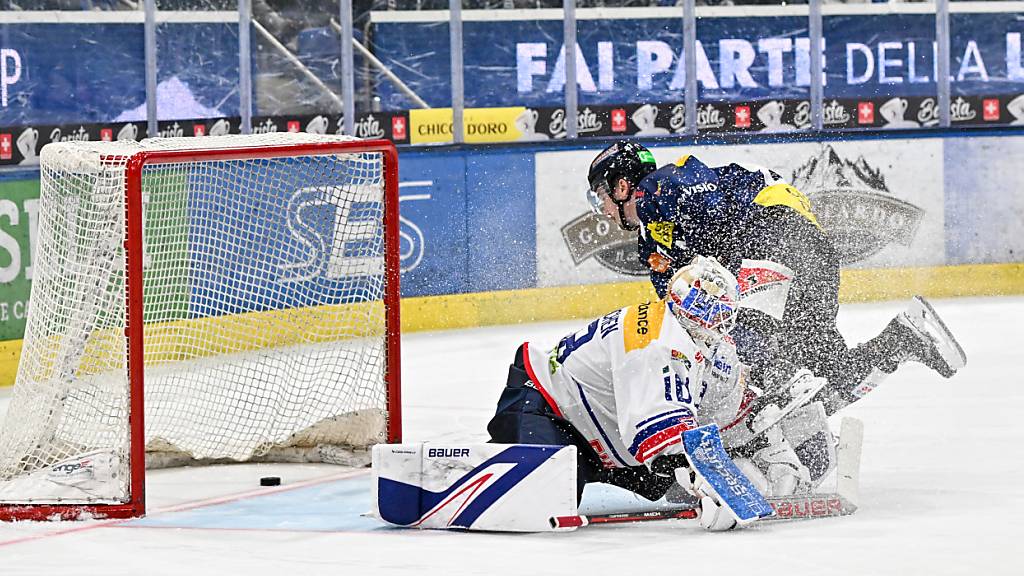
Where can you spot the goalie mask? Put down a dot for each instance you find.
(704, 296)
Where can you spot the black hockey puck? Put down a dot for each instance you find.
(270, 481)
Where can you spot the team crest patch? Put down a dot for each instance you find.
(661, 232)
(757, 279)
(680, 357)
(658, 262)
(764, 285)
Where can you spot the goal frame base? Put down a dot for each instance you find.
(52, 512)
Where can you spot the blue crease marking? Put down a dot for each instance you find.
(329, 507)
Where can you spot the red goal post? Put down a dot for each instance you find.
(242, 300)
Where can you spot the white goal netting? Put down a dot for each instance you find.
(263, 311)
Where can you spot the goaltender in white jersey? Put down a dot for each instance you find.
(625, 388)
(634, 380)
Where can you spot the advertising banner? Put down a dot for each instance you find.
(432, 230)
(480, 125)
(80, 75)
(881, 200)
(766, 116)
(19, 211)
(635, 56)
(20, 146)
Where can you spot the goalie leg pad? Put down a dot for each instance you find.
(807, 431)
(508, 488)
(781, 465)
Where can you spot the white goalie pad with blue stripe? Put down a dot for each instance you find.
(497, 487)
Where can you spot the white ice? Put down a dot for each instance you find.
(942, 487)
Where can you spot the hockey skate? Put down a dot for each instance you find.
(926, 339)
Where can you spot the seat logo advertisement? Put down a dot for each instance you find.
(327, 248)
(479, 125)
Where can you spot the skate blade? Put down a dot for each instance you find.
(924, 318)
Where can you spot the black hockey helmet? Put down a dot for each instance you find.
(623, 159)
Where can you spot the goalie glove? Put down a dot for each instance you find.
(797, 391)
(716, 514)
(769, 410)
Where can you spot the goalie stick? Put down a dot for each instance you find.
(565, 522)
(786, 508)
(842, 502)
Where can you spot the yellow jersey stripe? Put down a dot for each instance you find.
(642, 324)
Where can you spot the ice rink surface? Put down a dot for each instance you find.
(942, 487)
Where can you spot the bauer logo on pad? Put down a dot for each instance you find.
(483, 487)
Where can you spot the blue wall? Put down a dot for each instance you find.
(470, 215)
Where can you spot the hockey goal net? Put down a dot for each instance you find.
(218, 298)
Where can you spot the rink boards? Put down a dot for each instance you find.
(493, 235)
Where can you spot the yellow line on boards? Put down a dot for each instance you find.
(567, 302)
(10, 352)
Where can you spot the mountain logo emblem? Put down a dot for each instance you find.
(855, 206)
